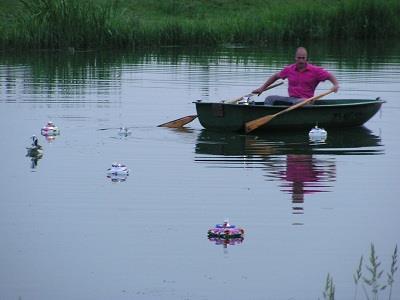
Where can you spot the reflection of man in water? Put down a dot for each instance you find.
(297, 192)
(299, 170)
(303, 172)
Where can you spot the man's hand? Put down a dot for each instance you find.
(335, 88)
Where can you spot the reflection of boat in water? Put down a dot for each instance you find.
(301, 167)
(352, 141)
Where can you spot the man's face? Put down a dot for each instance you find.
(301, 59)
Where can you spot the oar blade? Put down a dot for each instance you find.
(252, 125)
(178, 122)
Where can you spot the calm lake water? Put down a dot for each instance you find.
(70, 232)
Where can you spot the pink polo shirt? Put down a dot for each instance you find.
(302, 84)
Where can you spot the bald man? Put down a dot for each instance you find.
(303, 79)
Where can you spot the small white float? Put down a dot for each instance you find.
(124, 131)
(118, 169)
(50, 129)
(317, 134)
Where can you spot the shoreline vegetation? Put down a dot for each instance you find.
(127, 24)
(370, 276)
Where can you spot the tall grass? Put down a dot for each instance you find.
(372, 280)
(329, 292)
(123, 23)
(67, 23)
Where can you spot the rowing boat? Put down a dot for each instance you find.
(329, 113)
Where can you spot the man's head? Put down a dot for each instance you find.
(301, 58)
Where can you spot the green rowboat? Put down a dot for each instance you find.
(330, 113)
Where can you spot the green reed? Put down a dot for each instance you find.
(371, 281)
(329, 292)
(357, 276)
(66, 23)
(393, 269)
(133, 23)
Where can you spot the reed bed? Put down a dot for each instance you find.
(87, 24)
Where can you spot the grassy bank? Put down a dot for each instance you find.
(83, 24)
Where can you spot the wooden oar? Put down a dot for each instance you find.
(251, 125)
(187, 119)
(179, 122)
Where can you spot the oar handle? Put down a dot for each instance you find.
(271, 87)
(304, 102)
(251, 94)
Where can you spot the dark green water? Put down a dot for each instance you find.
(70, 232)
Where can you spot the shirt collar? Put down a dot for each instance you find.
(305, 69)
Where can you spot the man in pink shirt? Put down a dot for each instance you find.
(303, 79)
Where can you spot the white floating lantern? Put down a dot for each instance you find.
(50, 129)
(317, 134)
(118, 169)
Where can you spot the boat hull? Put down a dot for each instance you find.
(326, 113)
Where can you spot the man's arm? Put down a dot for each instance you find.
(334, 82)
(269, 81)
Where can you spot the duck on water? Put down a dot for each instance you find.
(35, 149)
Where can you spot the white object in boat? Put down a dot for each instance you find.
(317, 134)
(50, 129)
(245, 100)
